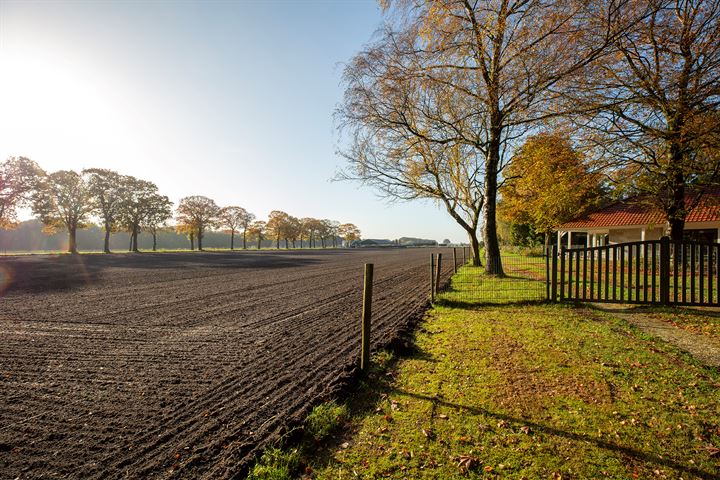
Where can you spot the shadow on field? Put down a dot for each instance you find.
(43, 273)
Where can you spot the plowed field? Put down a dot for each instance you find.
(181, 365)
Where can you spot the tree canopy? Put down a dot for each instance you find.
(547, 183)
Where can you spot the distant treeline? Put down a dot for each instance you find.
(29, 236)
(132, 214)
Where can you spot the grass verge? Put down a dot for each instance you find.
(530, 391)
(518, 391)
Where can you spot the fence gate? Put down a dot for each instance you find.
(649, 272)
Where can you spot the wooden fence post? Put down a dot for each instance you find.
(432, 277)
(554, 284)
(439, 271)
(366, 314)
(464, 257)
(455, 260)
(665, 270)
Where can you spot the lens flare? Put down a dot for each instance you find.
(6, 276)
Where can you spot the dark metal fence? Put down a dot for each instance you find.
(648, 272)
(526, 279)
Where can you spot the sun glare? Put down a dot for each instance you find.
(55, 108)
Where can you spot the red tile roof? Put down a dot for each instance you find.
(637, 212)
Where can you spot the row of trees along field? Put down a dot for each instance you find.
(439, 105)
(69, 201)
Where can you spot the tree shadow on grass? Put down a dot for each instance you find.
(578, 437)
(476, 304)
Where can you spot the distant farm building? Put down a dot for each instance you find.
(416, 242)
(636, 219)
(372, 242)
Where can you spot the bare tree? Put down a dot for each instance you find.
(349, 233)
(138, 201)
(199, 212)
(19, 177)
(63, 200)
(257, 230)
(188, 230)
(460, 72)
(311, 227)
(159, 211)
(333, 230)
(277, 225)
(292, 230)
(109, 192)
(234, 218)
(245, 220)
(651, 108)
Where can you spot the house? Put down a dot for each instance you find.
(634, 220)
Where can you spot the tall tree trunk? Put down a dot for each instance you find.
(192, 241)
(259, 242)
(154, 233)
(493, 262)
(244, 240)
(277, 242)
(135, 238)
(72, 239)
(199, 238)
(287, 245)
(232, 239)
(106, 245)
(131, 241)
(474, 248)
(676, 212)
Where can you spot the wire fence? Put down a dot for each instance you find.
(525, 279)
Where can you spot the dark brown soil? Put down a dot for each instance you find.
(181, 365)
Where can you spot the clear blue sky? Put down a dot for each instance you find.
(232, 100)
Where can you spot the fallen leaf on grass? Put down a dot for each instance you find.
(428, 433)
(712, 450)
(467, 463)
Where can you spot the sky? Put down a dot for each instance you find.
(233, 100)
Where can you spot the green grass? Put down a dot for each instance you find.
(286, 462)
(276, 464)
(531, 391)
(325, 419)
(524, 281)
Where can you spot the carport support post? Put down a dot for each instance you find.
(665, 270)
(432, 278)
(366, 314)
(455, 259)
(437, 275)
